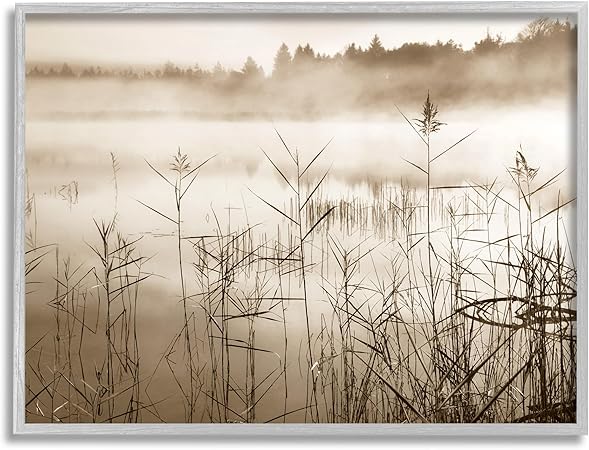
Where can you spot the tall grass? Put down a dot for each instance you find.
(416, 303)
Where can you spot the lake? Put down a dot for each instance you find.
(82, 169)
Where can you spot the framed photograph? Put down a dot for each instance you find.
(301, 218)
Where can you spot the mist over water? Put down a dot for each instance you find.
(364, 152)
(404, 278)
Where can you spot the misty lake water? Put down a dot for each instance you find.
(70, 175)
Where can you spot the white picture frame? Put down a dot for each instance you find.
(576, 9)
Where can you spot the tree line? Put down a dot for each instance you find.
(542, 57)
(539, 37)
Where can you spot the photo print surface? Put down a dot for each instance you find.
(300, 219)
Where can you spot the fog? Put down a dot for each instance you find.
(434, 180)
(363, 148)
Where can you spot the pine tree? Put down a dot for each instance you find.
(66, 71)
(376, 50)
(352, 53)
(251, 70)
(219, 72)
(303, 55)
(282, 62)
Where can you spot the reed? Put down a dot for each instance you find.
(416, 303)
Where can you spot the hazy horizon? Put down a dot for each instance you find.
(152, 41)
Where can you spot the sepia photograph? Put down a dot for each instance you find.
(300, 218)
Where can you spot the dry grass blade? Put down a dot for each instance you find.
(278, 170)
(316, 224)
(415, 165)
(275, 208)
(314, 159)
(315, 189)
(453, 145)
(157, 212)
(411, 125)
(160, 174)
(396, 392)
(493, 399)
(285, 146)
(186, 175)
(288, 413)
(552, 211)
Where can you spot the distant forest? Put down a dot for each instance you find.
(540, 61)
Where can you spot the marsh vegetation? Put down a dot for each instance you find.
(405, 301)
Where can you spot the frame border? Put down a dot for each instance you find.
(577, 8)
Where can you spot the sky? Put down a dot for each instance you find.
(186, 40)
